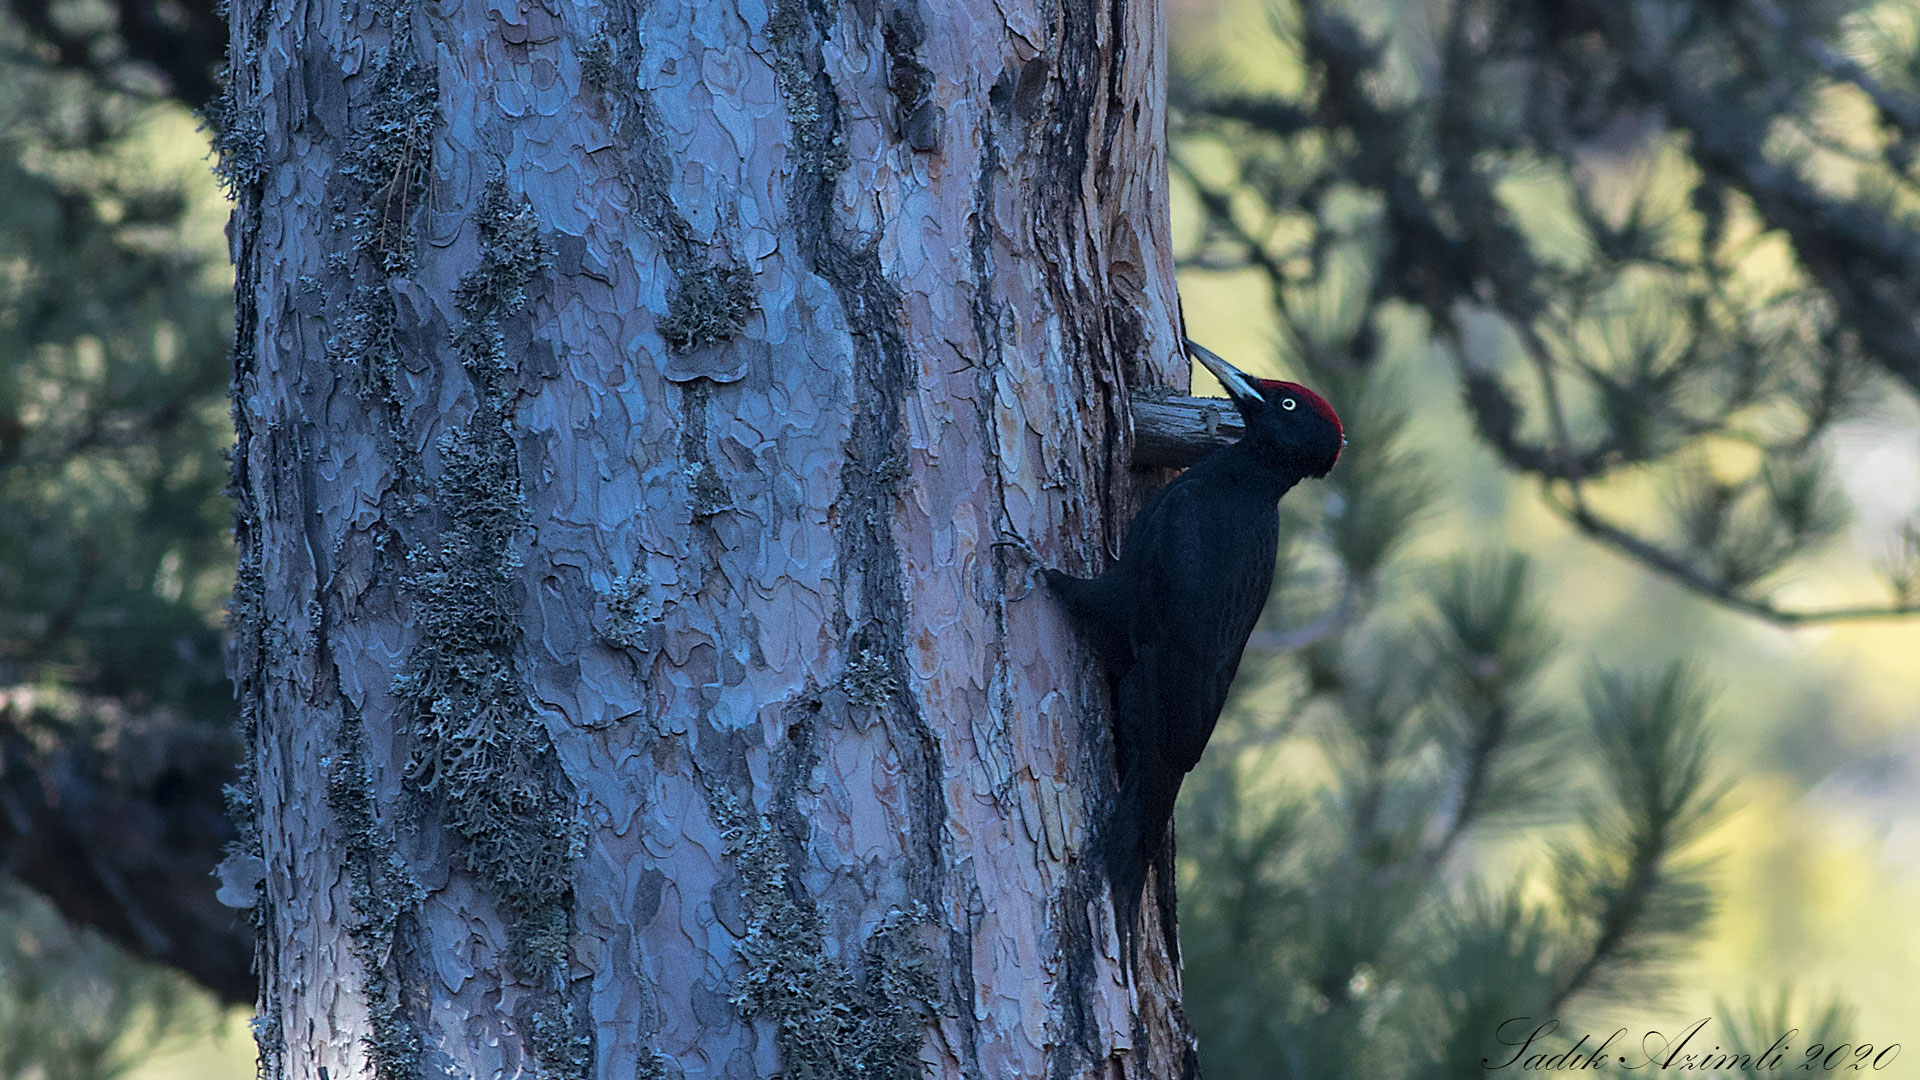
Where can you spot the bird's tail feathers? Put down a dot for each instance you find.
(1134, 847)
(1127, 874)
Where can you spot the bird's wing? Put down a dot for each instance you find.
(1182, 691)
(1195, 608)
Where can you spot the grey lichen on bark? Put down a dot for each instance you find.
(387, 160)
(625, 622)
(384, 895)
(818, 152)
(830, 1020)
(709, 304)
(388, 157)
(477, 747)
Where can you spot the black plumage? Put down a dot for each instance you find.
(1172, 616)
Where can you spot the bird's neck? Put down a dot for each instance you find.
(1255, 467)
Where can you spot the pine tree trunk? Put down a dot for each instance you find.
(629, 398)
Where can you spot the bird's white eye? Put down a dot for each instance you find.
(1288, 404)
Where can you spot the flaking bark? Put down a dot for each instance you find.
(630, 399)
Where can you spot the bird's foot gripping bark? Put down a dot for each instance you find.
(1035, 564)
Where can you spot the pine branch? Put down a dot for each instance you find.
(1490, 639)
(1898, 110)
(1456, 247)
(1683, 573)
(1635, 889)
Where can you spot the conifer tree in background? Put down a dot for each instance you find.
(73, 1006)
(115, 735)
(1337, 919)
(1638, 231)
(1566, 200)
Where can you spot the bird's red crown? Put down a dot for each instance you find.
(1314, 401)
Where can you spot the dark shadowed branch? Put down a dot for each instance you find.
(119, 824)
(182, 42)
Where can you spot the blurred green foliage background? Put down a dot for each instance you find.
(1616, 300)
(115, 311)
(1571, 272)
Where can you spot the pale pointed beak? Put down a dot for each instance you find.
(1231, 377)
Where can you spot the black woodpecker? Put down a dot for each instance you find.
(1170, 618)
